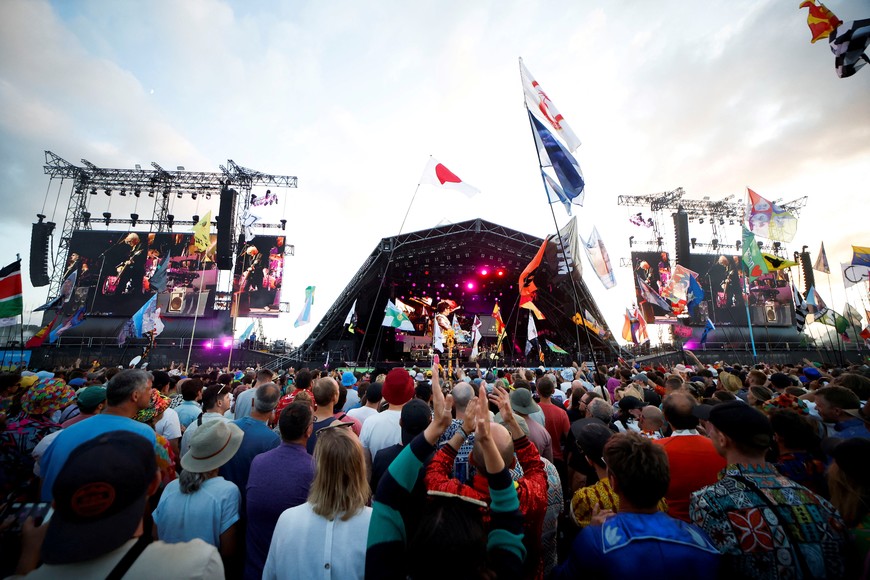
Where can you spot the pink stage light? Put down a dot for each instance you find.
(470, 285)
(500, 273)
(227, 343)
(209, 345)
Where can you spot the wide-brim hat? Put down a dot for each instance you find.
(212, 445)
(522, 402)
(348, 379)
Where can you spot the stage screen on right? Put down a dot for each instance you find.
(258, 277)
(725, 299)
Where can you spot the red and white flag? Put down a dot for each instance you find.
(540, 104)
(438, 175)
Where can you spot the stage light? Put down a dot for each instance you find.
(195, 219)
(86, 218)
(470, 285)
(730, 222)
(108, 191)
(178, 195)
(737, 245)
(137, 192)
(701, 220)
(209, 344)
(442, 284)
(484, 272)
(500, 273)
(208, 196)
(134, 217)
(107, 216)
(694, 241)
(170, 219)
(151, 192)
(413, 284)
(227, 343)
(193, 195)
(123, 192)
(630, 241)
(776, 246)
(283, 222)
(456, 285)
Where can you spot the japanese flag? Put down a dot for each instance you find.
(438, 175)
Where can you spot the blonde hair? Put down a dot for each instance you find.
(850, 498)
(339, 487)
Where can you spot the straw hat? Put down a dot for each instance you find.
(211, 445)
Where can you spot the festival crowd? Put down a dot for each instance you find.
(685, 471)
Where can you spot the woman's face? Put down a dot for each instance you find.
(750, 398)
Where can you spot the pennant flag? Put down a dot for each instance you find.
(538, 101)
(821, 264)
(499, 323)
(801, 308)
(555, 347)
(201, 231)
(865, 334)
(818, 306)
(755, 264)
(475, 337)
(600, 259)
(350, 319)
(694, 295)
(527, 284)
(147, 319)
(861, 256)
(77, 318)
(854, 274)
(708, 328)
(437, 334)
(768, 220)
(775, 263)
(396, 317)
(305, 315)
(651, 296)
(11, 300)
(159, 278)
(553, 154)
(556, 194)
(37, 339)
(821, 21)
(248, 221)
(458, 333)
(531, 336)
(438, 175)
(848, 44)
(247, 333)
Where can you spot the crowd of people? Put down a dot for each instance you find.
(679, 471)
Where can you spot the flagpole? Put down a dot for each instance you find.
(196, 315)
(562, 246)
(840, 345)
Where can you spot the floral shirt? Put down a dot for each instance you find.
(767, 526)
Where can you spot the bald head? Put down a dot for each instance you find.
(503, 442)
(677, 409)
(653, 418)
(577, 384)
(462, 394)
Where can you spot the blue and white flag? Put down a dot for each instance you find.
(305, 315)
(599, 258)
(694, 295)
(708, 328)
(554, 154)
(247, 333)
(147, 319)
(72, 322)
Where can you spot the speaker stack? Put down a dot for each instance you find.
(39, 238)
(226, 221)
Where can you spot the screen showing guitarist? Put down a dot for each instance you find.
(129, 273)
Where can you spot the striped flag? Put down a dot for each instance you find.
(801, 309)
(538, 101)
(860, 256)
(11, 299)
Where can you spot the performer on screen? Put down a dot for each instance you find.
(442, 310)
(131, 271)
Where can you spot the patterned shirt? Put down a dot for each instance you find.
(601, 493)
(462, 469)
(767, 526)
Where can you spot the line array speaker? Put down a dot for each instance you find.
(226, 222)
(39, 253)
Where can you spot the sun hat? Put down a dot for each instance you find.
(159, 403)
(522, 402)
(212, 445)
(47, 396)
(348, 379)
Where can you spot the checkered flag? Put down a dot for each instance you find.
(848, 44)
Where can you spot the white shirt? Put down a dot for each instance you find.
(362, 413)
(380, 431)
(169, 426)
(306, 545)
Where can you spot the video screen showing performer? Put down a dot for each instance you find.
(654, 270)
(258, 278)
(184, 276)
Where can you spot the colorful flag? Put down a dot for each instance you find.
(567, 251)
(848, 43)
(475, 337)
(854, 274)
(651, 296)
(801, 308)
(396, 317)
(555, 193)
(247, 333)
(201, 233)
(66, 290)
(775, 263)
(861, 256)
(555, 347)
(305, 316)
(77, 318)
(634, 329)
(499, 323)
(531, 336)
(458, 333)
(147, 319)
(11, 300)
(708, 328)
(438, 175)
(350, 319)
(592, 323)
(533, 308)
(599, 258)
(755, 264)
(768, 220)
(160, 278)
(821, 264)
(37, 339)
(526, 283)
(694, 295)
(538, 101)
(821, 21)
(553, 154)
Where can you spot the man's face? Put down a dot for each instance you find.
(826, 411)
(142, 396)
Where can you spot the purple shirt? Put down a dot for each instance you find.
(279, 479)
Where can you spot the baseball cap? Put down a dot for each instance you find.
(738, 421)
(591, 435)
(91, 396)
(99, 496)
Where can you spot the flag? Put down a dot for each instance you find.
(821, 21)
(499, 323)
(527, 284)
(592, 324)
(821, 264)
(53, 303)
(77, 318)
(768, 220)
(775, 263)
(437, 335)
(680, 289)
(305, 315)
(852, 315)
(247, 333)
(854, 274)
(861, 256)
(538, 101)
(694, 295)
(567, 251)
(201, 233)
(395, 317)
(651, 296)
(248, 221)
(127, 330)
(531, 336)
(755, 264)
(848, 43)
(147, 319)
(159, 278)
(350, 319)
(37, 339)
(555, 347)
(800, 307)
(634, 329)
(555, 193)
(438, 175)
(66, 291)
(708, 328)
(599, 258)
(475, 337)
(531, 306)
(11, 300)
(458, 333)
(553, 154)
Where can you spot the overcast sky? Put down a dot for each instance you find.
(353, 97)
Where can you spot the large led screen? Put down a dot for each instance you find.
(653, 269)
(258, 277)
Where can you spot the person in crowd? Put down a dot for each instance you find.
(601, 410)
(650, 422)
(245, 401)
(91, 401)
(639, 537)
(216, 400)
(463, 394)
(416, 416)
(98, 529)
(555, 420)
(757, 395)
(325, 396)
(849, 484)
(169, 425)
(694, 461)
(258, 439)
(341, 415)
(151, 415)
(452, 524)
(329, 531)
(798, 453)
(350, 382)
(832, 405)
(748, 512)
(628, 412)
(279, 479)
(127, 393)
(302, 384)
(382, 430)
(200, 503)
(190, 407)
(524, 406)
(372, 400)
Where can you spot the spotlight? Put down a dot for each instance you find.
(108, 191)
(470, 285)
(721, 221)
(166, 191)
(499, 273)
(715, 243)
(86, 218)
(630, 241)
(107, 216)
(123, 192)
(730, 222)
(193, 195)
(694, 241)
(134, 217)
(151, 192)
(209, 344)
(227, 342)
(178, 195)
(137, 192)
(40, 217)
(170, 219)
(484, 272)
(195, 219)
(208, 196)
(283, 224)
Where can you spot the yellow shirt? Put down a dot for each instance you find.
(586, 498)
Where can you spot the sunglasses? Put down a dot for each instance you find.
(333, 425)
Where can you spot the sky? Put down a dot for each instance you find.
(353, 98)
